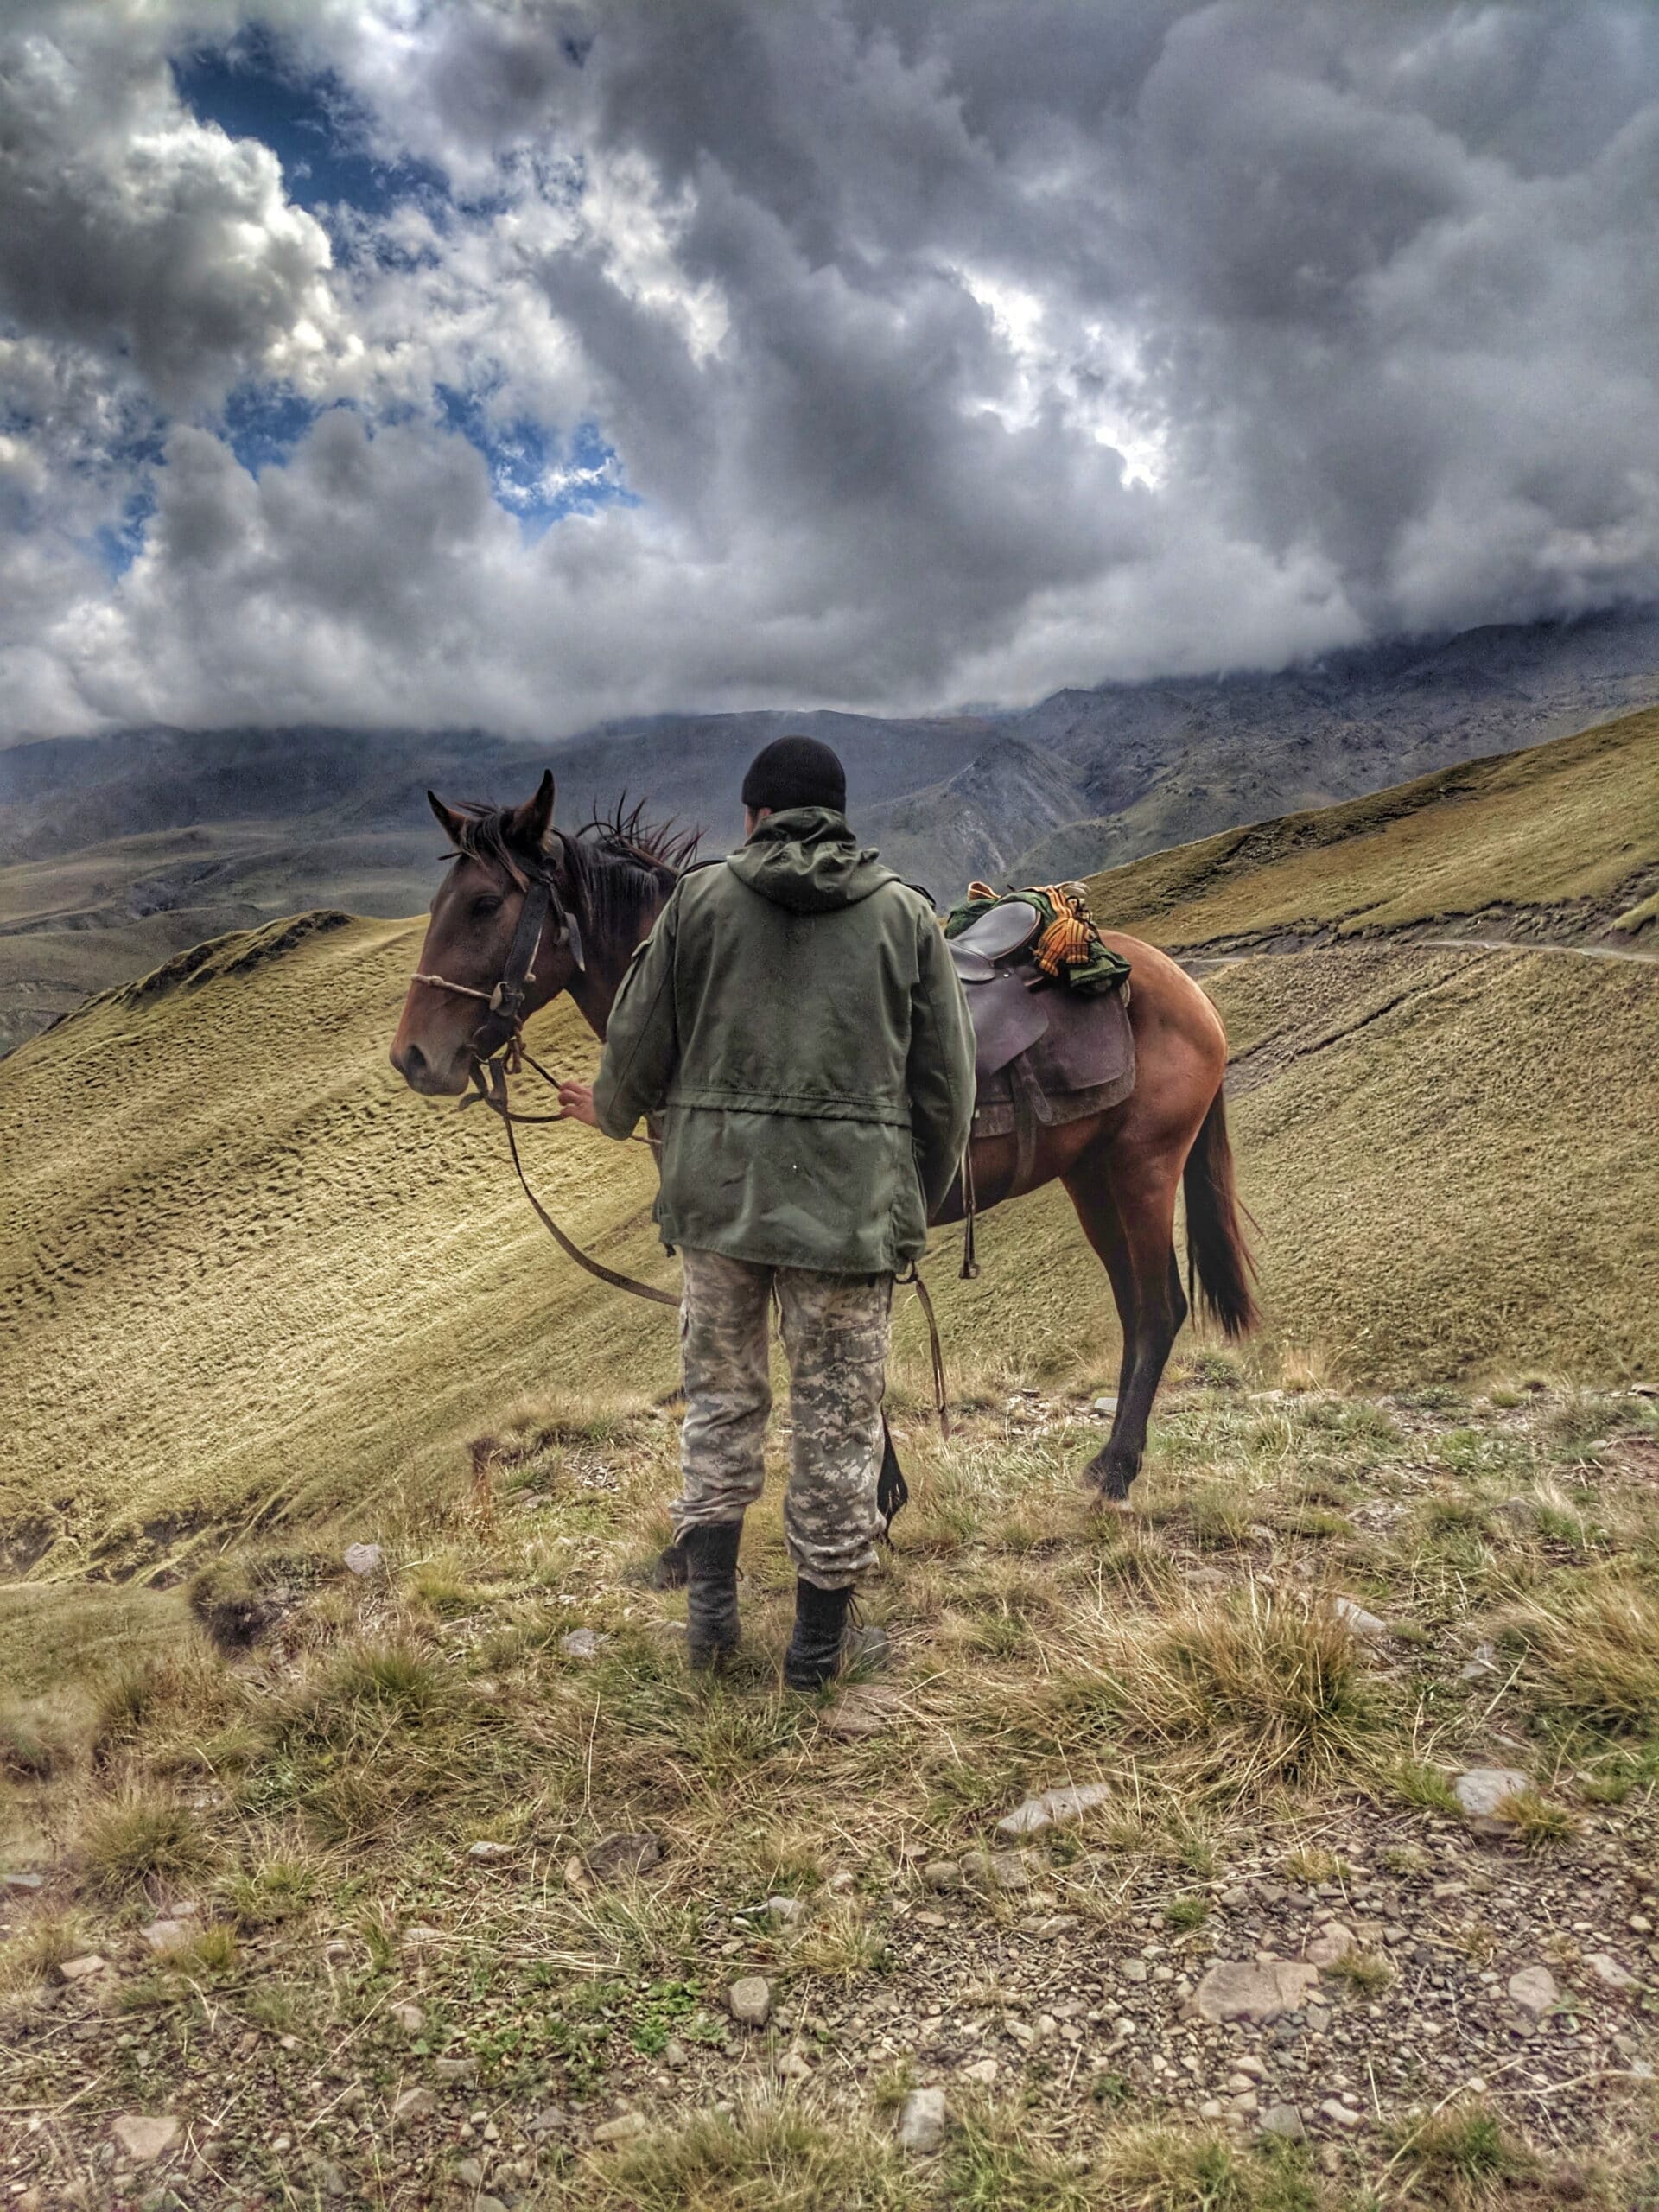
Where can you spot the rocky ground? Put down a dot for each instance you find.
(1287, 1840)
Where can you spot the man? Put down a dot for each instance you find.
(796, 1019)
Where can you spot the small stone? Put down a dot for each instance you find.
(615, 1856)
(942, 1874)
(1328, 1944)
(1484, 1792)
(1211, 2108)
(622, 2129)
(1052, 1807)
(1608, 1971)
(1245, 2105)
(144, 2137)
(1260, 1991)
(22, 1881)
(490, 2204)
(1251, 2069)
(921, 2124)
(863, 1709)
(413, 2105)
(1133, 1969)
(469, 2173)
(784, 1912)
(794, 2066)
(548, 2121)
(1339, 2114)
(1009, 1870)
(408, 2016)
(456, 2070)
(1358, 1621)
(1533, 1990)
(1639, 1924)
(749, 2000)
(420, 1938)
(1481, 1664)
(487, 1853)
(83, 1969)
(336, 1952)
(1283, 2120)
(675, 2054)
(982, 2069)
(582, 1643)
(169, 1934)
(364, 1558)
(841, 1881)
(1104, 1406)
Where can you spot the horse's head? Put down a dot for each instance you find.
(500, 854)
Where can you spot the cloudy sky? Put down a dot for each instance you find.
(518, 364)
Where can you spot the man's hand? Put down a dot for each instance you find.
(577, 1099)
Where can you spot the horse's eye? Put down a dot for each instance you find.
(489, 903)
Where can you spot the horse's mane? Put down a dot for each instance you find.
(619, 861)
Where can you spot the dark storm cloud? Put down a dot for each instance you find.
(942, 348)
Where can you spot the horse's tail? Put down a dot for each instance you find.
(1219, 1267)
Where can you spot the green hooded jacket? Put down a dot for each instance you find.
(795, 1018)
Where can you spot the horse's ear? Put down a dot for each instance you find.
(528, 825)
(449, 823)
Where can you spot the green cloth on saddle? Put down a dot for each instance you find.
(1068, 943)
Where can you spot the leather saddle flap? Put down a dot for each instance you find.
(1088, 1042)
(1008, 1020)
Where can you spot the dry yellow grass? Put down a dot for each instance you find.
(249, 1279)
(1572, 820)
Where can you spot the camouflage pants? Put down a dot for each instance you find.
(835, 1330)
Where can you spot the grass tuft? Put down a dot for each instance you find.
(1251, 1690)
(1593, 1648)
(137, 1835)
(770, 2155)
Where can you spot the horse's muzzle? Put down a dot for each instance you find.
(419, 1073)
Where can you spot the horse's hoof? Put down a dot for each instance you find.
(669, 1572)
(1111, 1478)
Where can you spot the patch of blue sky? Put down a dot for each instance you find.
(533, 474)
(118, 544)
(254, 87)
(265, 422)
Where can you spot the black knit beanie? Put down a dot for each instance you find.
(795, 771)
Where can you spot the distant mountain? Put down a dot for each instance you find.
(116, 851)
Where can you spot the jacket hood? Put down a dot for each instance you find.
(805, 858)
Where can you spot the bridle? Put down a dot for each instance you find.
(497, 1047)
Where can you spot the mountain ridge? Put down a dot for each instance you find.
(117, 850)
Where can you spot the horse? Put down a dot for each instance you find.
(598, 893)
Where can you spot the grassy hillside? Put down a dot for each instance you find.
(248, 1277)
(1572, 824)
(390, 1891)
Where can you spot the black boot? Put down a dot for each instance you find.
(711, 1592)
(814, 1650)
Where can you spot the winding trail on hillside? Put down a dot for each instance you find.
(1509, 944)
(1261, 1063)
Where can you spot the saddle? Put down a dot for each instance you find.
(1042, 1054)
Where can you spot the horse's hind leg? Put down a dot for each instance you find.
(1088, 1188)
(1134, 1215)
